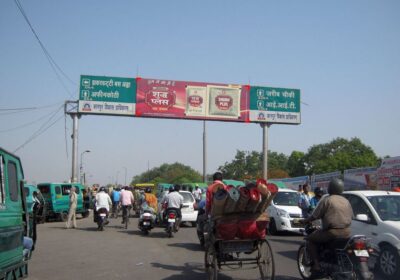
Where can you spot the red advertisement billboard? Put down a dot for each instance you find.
(191, 100)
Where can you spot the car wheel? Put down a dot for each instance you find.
(272, 227)
(389, 262)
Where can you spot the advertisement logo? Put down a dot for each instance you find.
(195, 100)
(224, 102)
(160, 97)
(261, 117)
(86, 107)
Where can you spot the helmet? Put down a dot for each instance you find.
(171, 189)
(177, 188)
(147, 190)
(318, 191)
(336, 186)
(102, 189)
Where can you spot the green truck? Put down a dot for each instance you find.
(14, 218)
(56, 196)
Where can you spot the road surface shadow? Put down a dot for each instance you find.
(288, 254)
(152, 234)
(189, 246)
(196, 271)
(297, 242)
(192, 271)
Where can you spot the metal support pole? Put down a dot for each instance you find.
(265, 127)
(204, 153)
(75, 117)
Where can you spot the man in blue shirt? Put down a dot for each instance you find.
(305, 201)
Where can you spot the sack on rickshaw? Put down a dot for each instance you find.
(226, 227)
(232, 199)
(254, 198)
(252, 226)
(219, 199)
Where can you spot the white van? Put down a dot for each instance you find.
(282, 212)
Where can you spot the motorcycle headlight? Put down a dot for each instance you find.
(282, 213)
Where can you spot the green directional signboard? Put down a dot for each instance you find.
(274, 105)
(107, 95)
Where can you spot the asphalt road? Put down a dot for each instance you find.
(117, 253)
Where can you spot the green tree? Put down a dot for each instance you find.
(175, 173)
(248, 165)
(295, 164)
(338, 155)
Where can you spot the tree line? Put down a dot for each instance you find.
(337, 155)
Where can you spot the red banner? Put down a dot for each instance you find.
(192, 100)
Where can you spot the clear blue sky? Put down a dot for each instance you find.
(343, 55)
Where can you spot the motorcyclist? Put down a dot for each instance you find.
(174, 201)
(336, 214)
(103, 200)
(148, 201)
(316, 198)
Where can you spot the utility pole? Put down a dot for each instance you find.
(71, 108)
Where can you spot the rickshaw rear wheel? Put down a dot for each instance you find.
(211, 263)
(266, 262)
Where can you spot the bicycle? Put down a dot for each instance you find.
(125, 214)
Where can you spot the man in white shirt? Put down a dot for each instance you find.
(197, 193)
(103, 200)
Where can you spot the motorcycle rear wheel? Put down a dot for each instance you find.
(304, 262)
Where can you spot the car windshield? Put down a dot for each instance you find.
(387, 206)
(187, 197)
(286, 198)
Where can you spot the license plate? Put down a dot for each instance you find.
(171, 220)
(146, 223)
(361, 253)
(103, 215)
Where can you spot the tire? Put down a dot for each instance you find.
(303, 262)
(272, 228)
(210, 263)
(266, 262)
(389, 262)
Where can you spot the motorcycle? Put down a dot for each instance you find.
(172, 222)
(146, 221)
(101, 218)
(340, 259)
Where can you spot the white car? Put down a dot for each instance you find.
(383, 226)
(284, 211)
(189, 214)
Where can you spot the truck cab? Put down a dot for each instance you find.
(14, 219)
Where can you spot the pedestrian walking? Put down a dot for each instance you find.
(73, 201)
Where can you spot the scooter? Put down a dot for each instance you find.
(172, 222)
(101, 218)
(146, 221)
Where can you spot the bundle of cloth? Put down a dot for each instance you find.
(239, 212)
